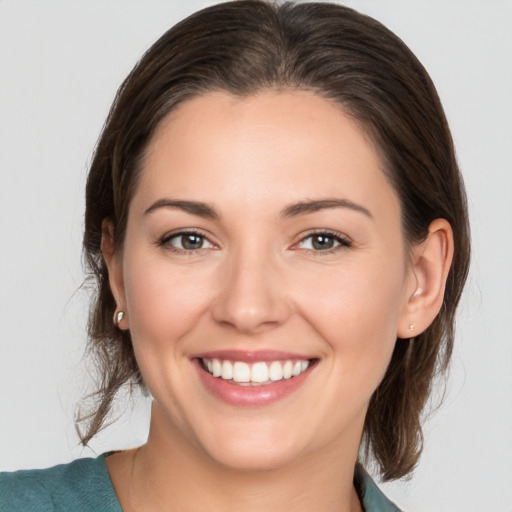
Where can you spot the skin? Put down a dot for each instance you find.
(258, 283)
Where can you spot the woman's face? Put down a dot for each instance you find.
(263, 243)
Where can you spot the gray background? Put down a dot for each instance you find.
(60, 65)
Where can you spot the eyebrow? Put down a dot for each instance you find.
(305, 207)
(194, 207)
(301, 208)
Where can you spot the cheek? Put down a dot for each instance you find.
(163, 303)
(355, 300)
(357, 313)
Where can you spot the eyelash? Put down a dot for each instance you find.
(341, 241)
(165, 241)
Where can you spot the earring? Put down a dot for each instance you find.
(118, 316)
(411, 327)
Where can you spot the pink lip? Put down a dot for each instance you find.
(251, 356)
(249, 396)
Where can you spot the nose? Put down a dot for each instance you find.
(252, 296)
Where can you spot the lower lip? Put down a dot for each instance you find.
(250, 396)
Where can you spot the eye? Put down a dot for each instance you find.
(187, 241)
(323, 241)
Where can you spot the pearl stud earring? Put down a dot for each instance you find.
(118, 316)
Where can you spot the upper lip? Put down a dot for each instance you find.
(251, 356)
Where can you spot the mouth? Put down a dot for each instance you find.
(259, 373)
(253, 379)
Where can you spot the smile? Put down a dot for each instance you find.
(253, 378)
(255, 374)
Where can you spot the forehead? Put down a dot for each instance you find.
(274, 144)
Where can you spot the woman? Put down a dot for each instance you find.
(278, 230)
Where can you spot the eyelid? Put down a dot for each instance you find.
(164, 241)
(343, 241)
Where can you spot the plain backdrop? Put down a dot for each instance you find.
(60, 65)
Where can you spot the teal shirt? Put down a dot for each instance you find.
(84, 486)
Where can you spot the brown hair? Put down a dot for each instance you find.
(245, 46)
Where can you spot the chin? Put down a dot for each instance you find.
(258, 449)
(253, 458)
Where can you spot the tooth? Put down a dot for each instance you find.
(287, 369)
(275, 371)
(216, 368)
(227, 370)
(259, 372)
(241, 372)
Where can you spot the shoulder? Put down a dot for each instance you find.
(83, 484)
(372, 497)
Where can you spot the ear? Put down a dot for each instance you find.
(115, 269)
(430, 264)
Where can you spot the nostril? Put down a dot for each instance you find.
(248, 318)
